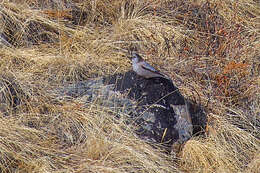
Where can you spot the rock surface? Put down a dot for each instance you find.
(155, 106)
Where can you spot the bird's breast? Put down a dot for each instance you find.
(135, 67)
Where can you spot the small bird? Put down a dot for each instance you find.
(144, 69)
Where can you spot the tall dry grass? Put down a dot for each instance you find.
(209, 48)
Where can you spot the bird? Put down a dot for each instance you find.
(144, 69)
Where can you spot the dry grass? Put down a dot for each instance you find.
(209, 48)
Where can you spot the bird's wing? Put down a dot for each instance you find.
(150, 68)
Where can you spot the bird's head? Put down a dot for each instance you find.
(134, 57)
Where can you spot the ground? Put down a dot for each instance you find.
(210, 49)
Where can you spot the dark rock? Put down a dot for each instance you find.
(162, 113)
(95, 91)
(155, 106)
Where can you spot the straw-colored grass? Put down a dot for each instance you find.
(209, 48)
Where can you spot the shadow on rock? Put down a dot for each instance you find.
(163, 115)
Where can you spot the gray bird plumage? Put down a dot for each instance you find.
(144, 69)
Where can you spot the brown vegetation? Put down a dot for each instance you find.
(209, 48)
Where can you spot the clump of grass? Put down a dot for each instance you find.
(210, 50)
(71, 138)
(225, 148)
